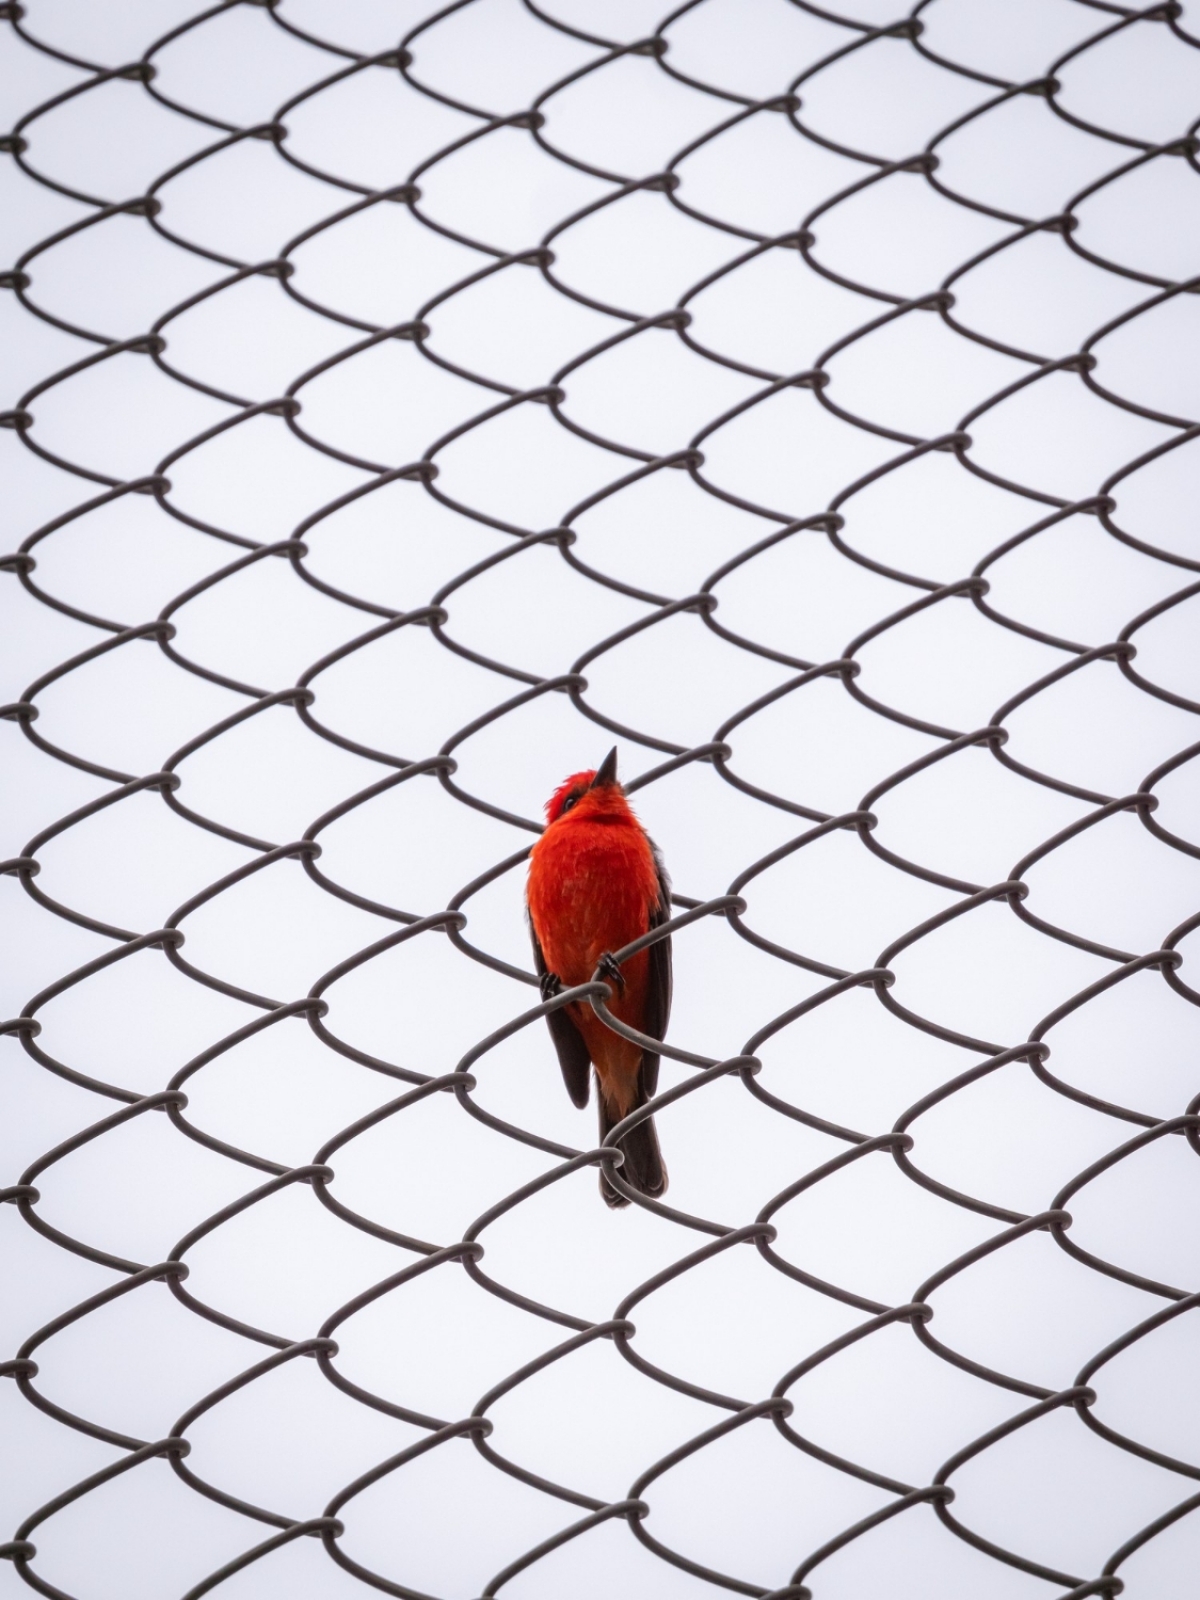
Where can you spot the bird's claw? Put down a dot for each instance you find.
(550, 984)
(609, 968)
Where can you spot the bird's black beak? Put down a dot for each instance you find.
(608, 771)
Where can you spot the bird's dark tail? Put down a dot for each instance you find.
(643, 1169)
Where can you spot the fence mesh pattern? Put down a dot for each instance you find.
(1123, 1127)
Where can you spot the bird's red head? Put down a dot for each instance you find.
(590, 794)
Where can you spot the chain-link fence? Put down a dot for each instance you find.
(816, 796)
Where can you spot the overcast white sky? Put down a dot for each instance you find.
(751, 1505)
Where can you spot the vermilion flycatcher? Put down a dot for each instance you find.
(596, 883)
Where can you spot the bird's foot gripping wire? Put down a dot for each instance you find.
(550, 984)
(608, 967)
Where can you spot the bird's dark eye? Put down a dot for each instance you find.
(569, 802)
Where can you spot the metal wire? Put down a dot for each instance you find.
(1132, 1129)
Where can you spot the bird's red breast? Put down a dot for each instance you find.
(593, 884)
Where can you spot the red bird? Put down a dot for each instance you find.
(596, 883)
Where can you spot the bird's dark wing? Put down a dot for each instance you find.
(573, 1056)
(658, 992)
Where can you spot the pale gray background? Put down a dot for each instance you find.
(752, 1505)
